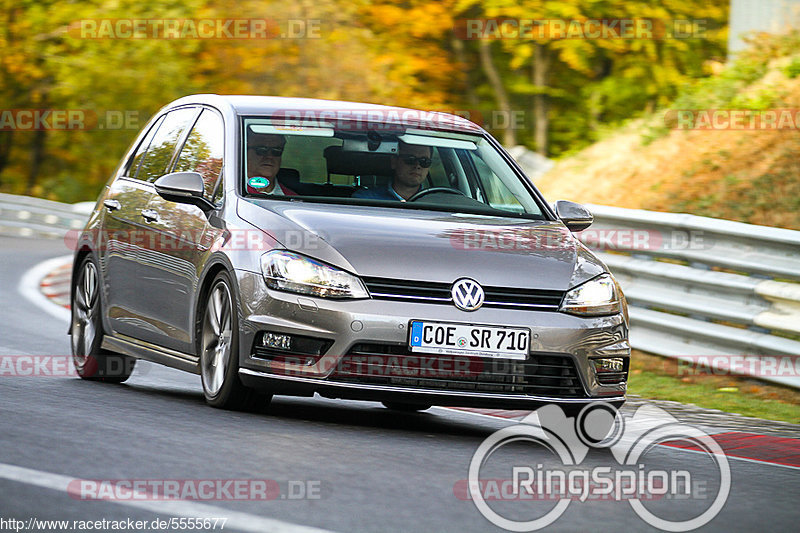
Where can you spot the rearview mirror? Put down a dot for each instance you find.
(183, 187)
(575, 216)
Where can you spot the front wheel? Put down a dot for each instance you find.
(219, 348)
(86, 334)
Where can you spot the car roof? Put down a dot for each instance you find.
(312, 108)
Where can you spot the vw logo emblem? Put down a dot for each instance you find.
(467, 294)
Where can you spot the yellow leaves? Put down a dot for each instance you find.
(384, 51)
(386, 15)
(576, 55)
(420, 20)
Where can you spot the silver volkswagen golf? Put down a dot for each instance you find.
(296, 246)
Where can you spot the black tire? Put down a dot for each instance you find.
(86, 334)
(218, 348)
(405, 407)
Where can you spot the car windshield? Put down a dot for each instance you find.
(381, 165)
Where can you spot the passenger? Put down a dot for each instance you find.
(264, 153)
(410, 166)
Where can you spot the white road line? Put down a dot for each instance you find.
(190, 509)
(511, 421)
(29, 287)
(729, 457)
(745, 459)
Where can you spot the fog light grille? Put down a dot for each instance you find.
(276, 340)
(271, 345)
(611, 370)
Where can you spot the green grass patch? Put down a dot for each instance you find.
(660, 378)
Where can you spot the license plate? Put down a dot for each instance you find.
(465, 339)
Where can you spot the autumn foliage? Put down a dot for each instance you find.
(554, 95)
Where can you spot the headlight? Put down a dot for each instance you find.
(288, 271)
(597, 297)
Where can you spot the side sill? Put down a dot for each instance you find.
(151, 352)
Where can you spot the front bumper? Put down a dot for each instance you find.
(351, 323)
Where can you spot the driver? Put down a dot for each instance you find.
(264, 153)
(410, 166)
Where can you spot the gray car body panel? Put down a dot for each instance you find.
(429, 245)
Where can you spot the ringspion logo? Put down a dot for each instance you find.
(565, 479)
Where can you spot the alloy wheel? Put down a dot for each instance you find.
(85, 314)
(216, 338)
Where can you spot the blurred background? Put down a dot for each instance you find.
(588, 115)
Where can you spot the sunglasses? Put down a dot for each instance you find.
(275, 151)
(410, 160)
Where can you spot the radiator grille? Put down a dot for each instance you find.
(552, 375)
(429, 292)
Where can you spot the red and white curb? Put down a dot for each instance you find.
(779, 451)
(30, 286)
(56, 284)
(742, 445)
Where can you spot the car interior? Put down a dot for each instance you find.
(345, 173)
(360, 169)
(338, 164)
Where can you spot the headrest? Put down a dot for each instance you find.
(288, 175)
(357, 163)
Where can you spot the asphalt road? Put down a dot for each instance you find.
(368, 468)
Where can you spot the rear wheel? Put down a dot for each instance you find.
(219, 348)
(86, 334)
(405, 407)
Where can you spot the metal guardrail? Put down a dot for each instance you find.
(697, 287)
(24, 216)
(702, 287)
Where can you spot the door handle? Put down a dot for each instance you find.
(112, 205)
(150, 215)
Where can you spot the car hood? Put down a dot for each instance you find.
(427, 245)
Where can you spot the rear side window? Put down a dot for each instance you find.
(143, 146)
(203, 150)
(159, 154)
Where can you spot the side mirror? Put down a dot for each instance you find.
(184, 188)
(575, 216)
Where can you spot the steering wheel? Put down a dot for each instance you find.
(425, 192)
